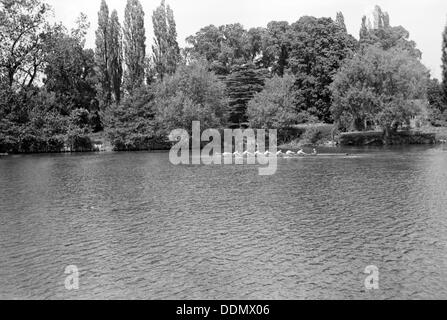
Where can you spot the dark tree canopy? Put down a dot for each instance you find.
(166, 51)
(318, 50)
(444, 63)
(224, 47)
(134, 45)
(242, 84)
(102, 56)
(70, 73)
(115, 65)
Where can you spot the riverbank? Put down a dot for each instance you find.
(298, 137)
(378, 138)
(440, 132)
(325, 135)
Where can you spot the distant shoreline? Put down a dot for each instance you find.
(300, 137)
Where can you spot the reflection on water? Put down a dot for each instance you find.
(138, 227)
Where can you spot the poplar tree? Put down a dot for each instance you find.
(116, 56)
(340, 21)
(134, 45)
(102, 56)
(444, 64)
(363, 29)
(166, 51)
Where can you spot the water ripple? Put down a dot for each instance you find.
(140, 228)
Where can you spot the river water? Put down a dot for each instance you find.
(138, 227)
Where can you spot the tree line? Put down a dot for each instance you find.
(55, 92)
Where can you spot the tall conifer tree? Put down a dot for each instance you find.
(444, 64)
(340, 21)
(102, 56)
(116, 56)
(166, 52)
(134, 45)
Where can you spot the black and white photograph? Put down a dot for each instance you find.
(223, 150)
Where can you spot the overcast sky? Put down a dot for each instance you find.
(425, 19)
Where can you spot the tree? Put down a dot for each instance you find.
(166, 49)
(115, 65)
(69, 71)
(274, 107)
(23, 33)
(206, 43)
(435, 95)
(223, 47)
(318, 50)
(444, 63)
(102, 56)
(378, 19)
(31, 122)
(134, 45)
(340, 21)
(130, 125)
(363, 30)
(377, 31)
(242, 84)
(254, 43)
(378, 87)
(276, 46)
(390, 37)
(438, 108)
(192, 93)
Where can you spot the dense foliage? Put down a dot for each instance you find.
(378, 87)
(47, 83)
(54, 92)
(192, 93)
(444, 64)
(166, 51)
(315, 59)
(130, 125)
(134, 46)
(275, 106)
(384, 84)
(438, 106)
(242, 84)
